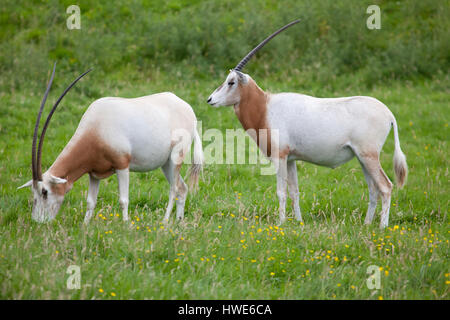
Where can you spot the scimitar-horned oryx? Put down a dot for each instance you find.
(323, 131)
(118, 135)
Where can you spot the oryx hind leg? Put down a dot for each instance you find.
(178, 188)
(371, 164)
(373, 197)
(182, 190)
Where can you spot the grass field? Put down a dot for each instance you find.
(229, 245)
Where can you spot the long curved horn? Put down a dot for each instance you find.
(44, 129)
(36, 128)
(244, 61)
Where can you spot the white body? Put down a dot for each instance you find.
(142, 127)
(119, 135)
(153, 130)
(323, 131)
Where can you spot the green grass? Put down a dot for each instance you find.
(228, 246)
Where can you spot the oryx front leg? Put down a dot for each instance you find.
(292, 181)
(123, 178)
(92, 197)
(281, 166)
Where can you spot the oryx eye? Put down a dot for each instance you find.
(230, 83)
(44, 193)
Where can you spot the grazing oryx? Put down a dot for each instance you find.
(118, 135)
(326, 132)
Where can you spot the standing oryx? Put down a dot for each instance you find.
(327, 132)
(118, 135)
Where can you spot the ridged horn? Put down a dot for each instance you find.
(44, 129)
(244, 61)
(36, 128)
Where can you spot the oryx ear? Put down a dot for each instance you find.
(28, 184)
(242, 77)
(56, 180)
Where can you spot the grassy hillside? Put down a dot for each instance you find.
(203, 38)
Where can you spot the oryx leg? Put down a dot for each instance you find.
(182, 191)
(373, 197)
(94, 184)
(372, 165)
(178, 189)
(292, 181)
(281, 166)
(123, 178)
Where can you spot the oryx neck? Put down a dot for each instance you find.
(85, 153)
(252, 107)
(70, 166)
(252, 113)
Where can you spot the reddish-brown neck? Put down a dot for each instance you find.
(86, 154)
(252, 112)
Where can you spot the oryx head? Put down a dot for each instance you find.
(228, 93)
(48, 193)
